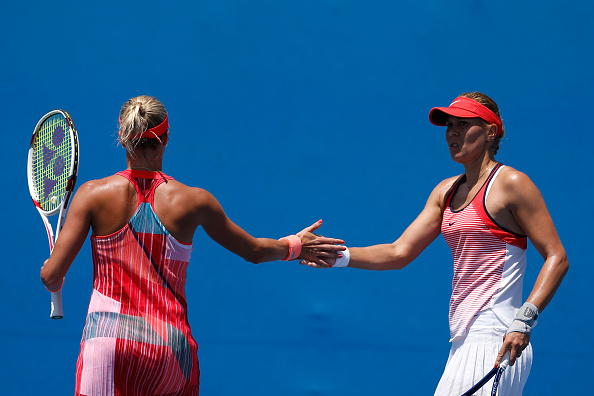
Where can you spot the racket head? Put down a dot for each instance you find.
(52, 163)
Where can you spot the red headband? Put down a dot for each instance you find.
(465, 108)
(154, 132)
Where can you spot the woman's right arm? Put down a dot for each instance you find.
(72, 237)
(226, 233)
(419, 234)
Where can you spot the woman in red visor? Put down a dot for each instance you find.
(486, 215)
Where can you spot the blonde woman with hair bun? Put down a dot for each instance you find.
(137, 339)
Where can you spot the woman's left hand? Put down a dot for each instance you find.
(514, 343)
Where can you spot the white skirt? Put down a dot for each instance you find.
(472, 357)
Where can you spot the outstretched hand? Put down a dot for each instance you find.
(318, 250)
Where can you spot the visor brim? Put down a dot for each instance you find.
(439, 115)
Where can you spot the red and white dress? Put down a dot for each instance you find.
(137, 339)
(489, 267)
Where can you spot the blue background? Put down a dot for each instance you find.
(288, 112)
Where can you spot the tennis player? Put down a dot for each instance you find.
(486, 216)
(137, 339)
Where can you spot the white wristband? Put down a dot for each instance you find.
(344, 260)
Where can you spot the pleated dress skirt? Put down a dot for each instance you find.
(473, 356)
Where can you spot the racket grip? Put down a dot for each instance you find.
(56, 304)
(505, 362)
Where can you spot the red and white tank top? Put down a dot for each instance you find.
(489, 261)
(137, 339)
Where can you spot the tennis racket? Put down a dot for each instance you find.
(52, 167)
(495, 372)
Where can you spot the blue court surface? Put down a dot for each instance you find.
(289, 112)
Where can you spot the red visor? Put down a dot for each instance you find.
(465, 108)
(154, 132)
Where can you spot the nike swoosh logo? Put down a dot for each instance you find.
(451, 224)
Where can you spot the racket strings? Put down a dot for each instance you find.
(51, 161)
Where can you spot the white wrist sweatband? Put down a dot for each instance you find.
(525, 319)
(344, 260)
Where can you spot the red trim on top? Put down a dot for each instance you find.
(503, 234)
(145, 174)
(143, 196)
(498, 231)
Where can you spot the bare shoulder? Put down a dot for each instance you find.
(447, 184)
(183, 208)
(182, 195)
(100, 199)
(512, 179)
(441, 191)
(105, 182)
(512, 175)
(185, 191)
(516, 187)
(102, 187)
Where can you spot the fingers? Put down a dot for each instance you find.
(503, 354)
(513, 343)
(322, 263)
(500, 355)
(512, 359)
(312, 264)
(312, 227)
(328, 241)
(326, 256)
(319, 251)
(326, 249)
(308, 237)
(515, 354)
(320, 256)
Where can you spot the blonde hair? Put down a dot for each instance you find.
(137, 116)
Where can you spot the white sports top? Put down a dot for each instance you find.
(489, 262)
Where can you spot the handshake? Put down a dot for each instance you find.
(317, 251)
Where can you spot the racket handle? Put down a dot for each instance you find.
(505, 362)
(56, 312)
